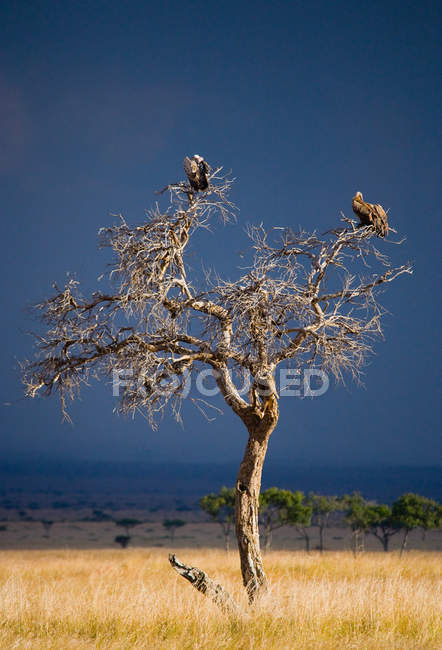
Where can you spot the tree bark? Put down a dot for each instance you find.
(386, 541)
(248, 486)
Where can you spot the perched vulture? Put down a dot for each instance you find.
(197, 171)
(370, 214)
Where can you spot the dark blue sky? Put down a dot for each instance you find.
(306, 102)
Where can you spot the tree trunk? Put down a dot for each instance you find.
(227, 541)
(386, 541)
(321, 538)
(267, 539)
(248, 486)
(404, 541)
(260, 424)
(306, 537)
(358, 541)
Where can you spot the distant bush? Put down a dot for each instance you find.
(127, 523)
(171, 525)
(99, 515)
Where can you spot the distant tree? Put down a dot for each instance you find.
(183, 507)
(302, 299)
(99, 515)
(381, 524)
(322, 506)
(412, 511)
(274, 505)
(171, 525)
(47, 525)
(122, 540)
(299, 515)
(431, 516)
(221, 508)
(357, 517)
(127, 523)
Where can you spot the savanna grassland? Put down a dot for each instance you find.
(131, 598)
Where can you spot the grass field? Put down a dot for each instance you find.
(132, 599)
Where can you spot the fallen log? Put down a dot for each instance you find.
(201, 581)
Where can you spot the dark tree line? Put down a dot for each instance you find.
(279, 507)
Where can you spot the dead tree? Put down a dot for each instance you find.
(301, 299)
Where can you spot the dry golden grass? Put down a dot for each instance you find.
(132, 599)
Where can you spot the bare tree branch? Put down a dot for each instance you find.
(301, 298)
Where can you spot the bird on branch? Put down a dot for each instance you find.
(370, 214)
(197, 171)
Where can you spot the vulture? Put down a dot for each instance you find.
(370, 214)
(197, 171)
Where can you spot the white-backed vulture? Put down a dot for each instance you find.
(370, 214)
(197, 171)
